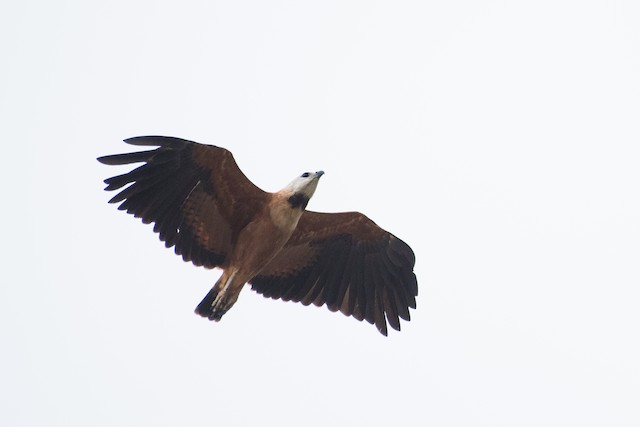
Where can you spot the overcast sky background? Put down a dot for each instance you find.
(499, 139)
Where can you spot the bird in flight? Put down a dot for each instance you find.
(204, 206)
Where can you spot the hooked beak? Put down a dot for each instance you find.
(319, 174)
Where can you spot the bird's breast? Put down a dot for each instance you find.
(261, 240)
(284, 217)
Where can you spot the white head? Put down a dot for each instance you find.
(302, 188)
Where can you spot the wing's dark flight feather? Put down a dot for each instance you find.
(313, 285)
(355, 267)
(379, 313)
(370, 293)
(158, 141)
(390, 309)
(357, 297)
(318, 296)
(386, 296)
(172, 174)
(127, 158)
(307, 278)
(167, 226)
(335, 294)
(146, 172)
(396, 297)
(161, 207)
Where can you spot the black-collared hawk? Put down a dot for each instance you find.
(207, 209)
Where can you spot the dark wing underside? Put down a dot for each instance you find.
(195, 194)
(344, 260)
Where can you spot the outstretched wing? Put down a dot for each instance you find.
(195, 194)
(344, 260)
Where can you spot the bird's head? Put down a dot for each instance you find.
(302, 188)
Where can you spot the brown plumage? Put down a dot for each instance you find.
(205, 207)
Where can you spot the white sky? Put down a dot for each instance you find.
(499, 139)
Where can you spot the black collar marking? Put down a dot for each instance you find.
(298, 200)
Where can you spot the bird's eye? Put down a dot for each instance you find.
(305, 175)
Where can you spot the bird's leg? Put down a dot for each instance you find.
(220, 298)
(221, 303)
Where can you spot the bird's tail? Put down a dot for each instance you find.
(220, 298)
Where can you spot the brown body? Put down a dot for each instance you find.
(213, 216)
(257, 244)
(260, 241)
